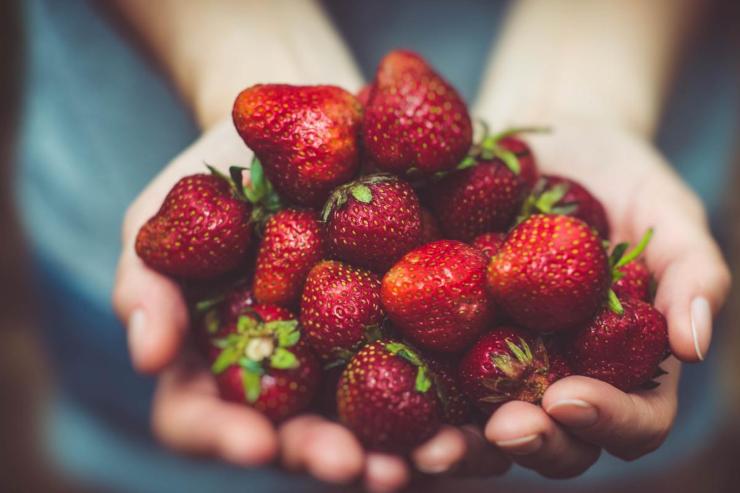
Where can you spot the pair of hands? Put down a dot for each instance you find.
(579, 416)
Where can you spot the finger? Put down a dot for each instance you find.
(153, 310)
(627, 425)
(188, 416)
(385, 472)
(693, 278)
(535, 441)
(462, 450)
(327, 450)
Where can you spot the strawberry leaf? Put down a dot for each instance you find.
(282, 359)
(362, 193)
(251, 381)
(510, 160)
(614, 304)
(423, 382)
(637, 251)
(228, 356)
(286, 331)
(466, 163)
(246, 324)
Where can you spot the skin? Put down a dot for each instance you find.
(611, 128)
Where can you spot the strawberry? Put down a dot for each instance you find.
(263, 362)
(559, 195)
(455, 404)
(306, 137)
(551, 273)
(293, 241)
(624, 349)
(202, 229)
(505, 364)
(340, 305)
(387, 397)
(489, 243)
(635, 283)
(215, 315)
(436, 295)
(373, 221)
(429, 228)
(484, 197)
(414, 119)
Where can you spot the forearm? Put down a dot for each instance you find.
(212, 50)
(607, 60)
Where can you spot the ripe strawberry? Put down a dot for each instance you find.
(293, 241)
(455, 404)
(214, 315)
(373, 221)
(263, 362)
(551, 273)
(202, 229)
(487, 196)
(436, 295)
(489, 243)
(623, 350)
(306, 137)
(339, 305)
(414, 118)
(557, 356)
(559, 195)
(429, 228)
(505, 364)
(635, 282)
(387, 397)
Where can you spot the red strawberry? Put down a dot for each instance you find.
(635, 282)
(213, 316)
(489, 243)
(557, 355)
(202, 229)
(623, 350)
(429, 228)
(484, 197)
(293, 241)
(306, 137)
(559, 195)
(455, 404)
(387, 397)
(414, 119)
(263, 362)
(339, 305)
(436, 295)
(552, 273)
(373, 221)
(505, 364)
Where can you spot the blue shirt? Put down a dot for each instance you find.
(99, 121)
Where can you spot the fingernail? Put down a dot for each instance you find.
(137, 332)
(574, 413)
(521, 446)
(701, 325)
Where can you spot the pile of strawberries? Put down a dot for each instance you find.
(381, 265)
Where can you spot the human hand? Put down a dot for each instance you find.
(579, 416)
(188, 414)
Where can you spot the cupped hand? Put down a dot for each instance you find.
(580, 416)
(188, 414)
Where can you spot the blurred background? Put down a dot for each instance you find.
(27, 379)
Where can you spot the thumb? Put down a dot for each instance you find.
(153, 310)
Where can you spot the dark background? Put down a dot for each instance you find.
(25, 378)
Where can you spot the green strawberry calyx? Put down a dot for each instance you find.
(620, 257)
(360, 190)
(524, 371)
(489, 147)
(258, 191)
(423, 375)
(341, 356)
(547, 200)
(255, 347)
